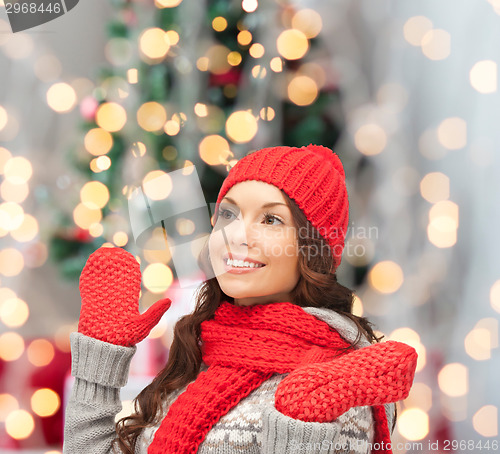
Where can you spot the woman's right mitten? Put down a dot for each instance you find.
(110, 284)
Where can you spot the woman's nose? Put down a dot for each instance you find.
(242, 232)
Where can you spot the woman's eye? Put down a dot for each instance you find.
(225, 214)
(272, 218)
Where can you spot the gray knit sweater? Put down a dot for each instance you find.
(253, 426)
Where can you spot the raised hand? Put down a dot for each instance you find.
(110, 284)
(379, 374)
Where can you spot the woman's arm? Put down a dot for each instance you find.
(100, 370)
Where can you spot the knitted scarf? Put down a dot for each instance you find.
(243, 347)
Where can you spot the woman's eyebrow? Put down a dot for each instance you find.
(266, 205)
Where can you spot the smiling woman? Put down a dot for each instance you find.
(271, 359)
(253, 251)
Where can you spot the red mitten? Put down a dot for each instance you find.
(378, 374)
(109, 286)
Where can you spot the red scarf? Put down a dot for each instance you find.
(243, 347)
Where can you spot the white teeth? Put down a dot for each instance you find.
(242, 264)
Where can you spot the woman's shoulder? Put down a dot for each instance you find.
(347, 329)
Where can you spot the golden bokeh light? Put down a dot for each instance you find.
(151, 116)
(138, 149)
(219, 24)
(5, 155)
(96, 230)
(259, 72)
(267, 113)
(483, 76)
(11, 346)
(61, 97)
(244, 38)
(218, 59)
(172, 127)
(200, 109)
(234, 58)
(157, 185)
(157, 277)
(184, 226)
(249, 6)
(84, 216)
(132, 76)
(386, 277)
(154, 43)
(8, 403)
(478, 344)
(167, 3)
(214, 150)
(257, 50)
(94, 195)
(11, 216)
(302, 90)
(120, 239)
(16, 193)
(445, 208)
(45, 402)
(27, 230)
(485, 421)
(308, 22)
(435, 187)
(100, 164)
(411, 337)
(241, 126)
(173, 37)
(11, 262)
(3, 118)
(413, 424)
(111, 116)
(370, 139)
(202, 63)
(443, 224)
(40, 352)
(18, 170)
(292, 44)
(441, 233)
(491, 325)
(495, 296)
(97, 141)
(452, 133)
(420, 396)
(276, 64)
(19, 424)
(415, 28)
(14, 312)
(436, 44)
(453, 380)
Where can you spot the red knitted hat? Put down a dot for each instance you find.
(312, 176)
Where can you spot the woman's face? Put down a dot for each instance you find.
(255, 223)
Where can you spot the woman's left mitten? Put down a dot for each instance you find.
(110, 284)
(374, 375)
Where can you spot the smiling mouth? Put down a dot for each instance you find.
(242, 264)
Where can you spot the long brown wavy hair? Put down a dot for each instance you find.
(317, 287)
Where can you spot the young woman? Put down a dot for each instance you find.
(271, 360)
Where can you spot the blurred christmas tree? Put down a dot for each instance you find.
(196, 83)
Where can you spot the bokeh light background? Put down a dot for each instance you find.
(420, 102)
